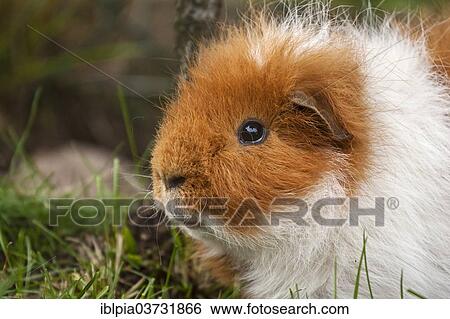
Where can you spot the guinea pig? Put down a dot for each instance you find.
(305, 144)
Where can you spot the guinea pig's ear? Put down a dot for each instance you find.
(301, 100)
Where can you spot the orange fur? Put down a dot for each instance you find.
(220, 267)
(439, 44)
(197, 138)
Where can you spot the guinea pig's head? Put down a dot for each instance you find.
(265, 113)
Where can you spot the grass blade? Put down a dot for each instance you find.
(116, 178)
(149, 289)
(102, 293)
(415, 294)
(19, 151)
(367, 270)
(4, 249)
(335, 278)
(114, 281)
(128, 124)
(88, 285)
(358, 274)
(29, 262)
(401, 285)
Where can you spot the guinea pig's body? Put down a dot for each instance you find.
(372, 122)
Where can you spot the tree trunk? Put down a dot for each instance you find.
(196, 20)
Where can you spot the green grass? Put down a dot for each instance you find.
(71, 261)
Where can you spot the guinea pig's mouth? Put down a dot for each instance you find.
(194, 226)
(199, 222)
(183, 218)
(190, 218)
(180, 211)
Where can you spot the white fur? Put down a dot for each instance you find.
(410, 160)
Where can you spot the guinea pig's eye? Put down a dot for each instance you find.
(252, 132)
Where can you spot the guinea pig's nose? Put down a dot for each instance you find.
(174, 181)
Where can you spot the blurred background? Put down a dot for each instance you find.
(68, 128)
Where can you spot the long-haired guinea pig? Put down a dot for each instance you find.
(297, 147)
